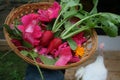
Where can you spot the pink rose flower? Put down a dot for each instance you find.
(31, 39)
(30, 19)
(65, 55)
(43, 15)
(50, 13)
(30, 29)
(21, 28)
(54, 10)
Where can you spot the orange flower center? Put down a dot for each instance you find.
(79, 51)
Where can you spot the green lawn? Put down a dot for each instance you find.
(11, 67)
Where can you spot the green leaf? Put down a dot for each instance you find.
(94, 10)
(110, 29)
(114, 18)
(67, 25)
(50, 25)
(81, 14)
(70, 13)
(57, 34)
(67, 5)
(27, 44)
(29, 53)
(70, 4)
(72, 43)
(106, 21)
(47, 60)
(25, 53)
(34, 54)
(14, 33)
(8, 29)
(18, 32)
(69, 34)
(77, 1)
(17, 22)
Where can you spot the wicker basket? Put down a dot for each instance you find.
(90, 45)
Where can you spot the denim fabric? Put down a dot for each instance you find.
(32, 73)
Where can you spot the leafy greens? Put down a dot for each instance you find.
(108, 22)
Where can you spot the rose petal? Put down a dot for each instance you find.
(33, 37)
(29, 38)
(79, 38)
(65, 56)
(41, 50)
(74, 59)
(37, 33)
(50, 13)
(55, 53)
(54, 10)
(62, 46)
(29, 28)
(43, 15)
(21, 28)
(30, 19)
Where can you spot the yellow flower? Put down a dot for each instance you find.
(79, 51)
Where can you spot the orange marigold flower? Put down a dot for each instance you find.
(79, 51)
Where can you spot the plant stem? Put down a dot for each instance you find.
(76, 24)
(75, 32)
(59, 25)
(42, 77)
(54, 26)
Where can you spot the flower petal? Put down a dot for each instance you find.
(21, 28)
(79, 51)
(79, 38)
(30, 19)
(55, 53)
(54, 10)
(74, 59)
(65, 56)
(50, 13)
(37, 33)
(41, 50)
(43, 15)
(29, 38)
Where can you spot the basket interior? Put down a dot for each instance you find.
(90, 46)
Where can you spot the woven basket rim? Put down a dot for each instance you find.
(8, 21)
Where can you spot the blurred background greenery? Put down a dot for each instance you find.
(11, 66)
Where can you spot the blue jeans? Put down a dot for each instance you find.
(32, 73)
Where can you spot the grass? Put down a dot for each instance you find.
(11, 67)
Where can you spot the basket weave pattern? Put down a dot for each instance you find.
(90, 46)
